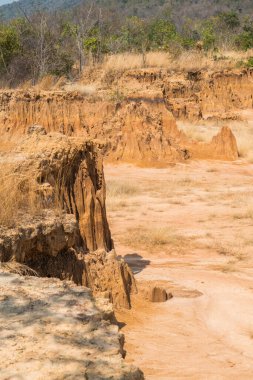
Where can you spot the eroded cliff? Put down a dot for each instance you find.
(67, 235)
(195, 95)
(139, 128)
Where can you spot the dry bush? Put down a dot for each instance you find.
(196, 60)
(154, 238)
(18, 197)
(225, 249)
(46, 83)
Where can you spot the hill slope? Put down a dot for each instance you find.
(197, 9)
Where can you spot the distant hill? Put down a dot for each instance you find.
(181, 9)
(18, 8)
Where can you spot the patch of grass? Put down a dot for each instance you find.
(18, 195)
(128, 61)
(121, 189)
(230, 267)
(154, 238)
(228, 250)
(177, 202)
(118, 194)
(244, 138)
(199, 133)
(246, 215)
(212, 170)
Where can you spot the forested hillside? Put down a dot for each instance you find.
(63, 36)
(181, 9)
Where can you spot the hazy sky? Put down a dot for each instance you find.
(2, 2)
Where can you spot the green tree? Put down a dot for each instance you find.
(230, 20)
(208, 35)
(244, 40)
(161, 33)
(9, 46)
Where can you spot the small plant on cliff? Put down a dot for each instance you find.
(117, 96)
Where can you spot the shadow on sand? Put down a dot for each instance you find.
(136, 262)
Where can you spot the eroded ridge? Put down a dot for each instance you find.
(140, 128)
(67, 235)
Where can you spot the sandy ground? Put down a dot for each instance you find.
(188, 228)
(54, 330)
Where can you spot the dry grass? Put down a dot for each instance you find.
(244, 138)
(118, 194)
(248, 214)
(81, 89)
(187, 61)
(229, 267)
(121, 189)
(197, 132)
(47, 83)
(154, 239)
(128, 61)
(18, 196)
(229, 250)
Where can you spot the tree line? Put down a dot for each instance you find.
(62, 43)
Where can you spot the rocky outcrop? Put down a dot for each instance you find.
(209, 95)
(65, 175)
(139, 128)
(223, 146)
(158, 295)
(56, 330)
(134, 130)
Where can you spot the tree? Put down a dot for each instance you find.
(9, 46)
(230, 20)
(161, 33)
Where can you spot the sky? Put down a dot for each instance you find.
(2, 2)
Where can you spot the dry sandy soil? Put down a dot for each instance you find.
(187, 228)
(54, 330)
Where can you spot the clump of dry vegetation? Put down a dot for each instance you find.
(248, 214)
(128, 61)
(18, 197)
(197, 132)
(118, 194)
(155, 239)
(244, 137)
(229, 250)
(121, 189)
(191, 60)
